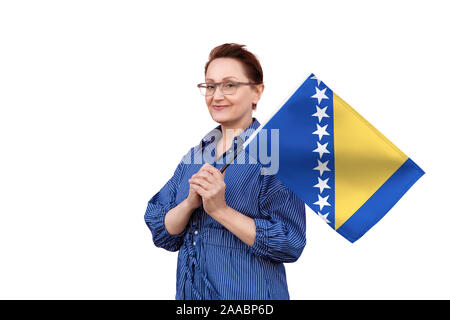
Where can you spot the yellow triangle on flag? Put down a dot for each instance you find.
(364, 160)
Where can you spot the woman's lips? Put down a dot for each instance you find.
(219, 107)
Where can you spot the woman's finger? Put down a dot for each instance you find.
(198, 189)
(208, 176)
(214, 172)
(201, 182)
(217, 174)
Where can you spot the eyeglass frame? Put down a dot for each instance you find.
(238, 83)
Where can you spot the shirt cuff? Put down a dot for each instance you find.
(266, 234)
(161, 237)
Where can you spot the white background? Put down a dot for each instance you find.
(98, 103)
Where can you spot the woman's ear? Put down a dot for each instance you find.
(259, 91)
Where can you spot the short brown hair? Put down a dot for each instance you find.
(252, 67)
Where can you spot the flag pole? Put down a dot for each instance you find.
(230, 161)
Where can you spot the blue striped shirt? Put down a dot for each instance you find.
(212, 262)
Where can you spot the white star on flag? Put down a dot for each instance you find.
(321, 131)
(322, 166)
(320, 113)
(324, 216)
(322, 202)
(318, 80)
(321, 149)
(322, 184)
(320, 94)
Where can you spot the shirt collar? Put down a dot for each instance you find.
(241, 138)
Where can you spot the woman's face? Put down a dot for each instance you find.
(238, 105)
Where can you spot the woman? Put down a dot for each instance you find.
(233, 230)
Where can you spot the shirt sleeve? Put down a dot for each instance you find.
(157, 208)
(281, 231)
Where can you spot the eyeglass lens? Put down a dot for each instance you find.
(208, 89)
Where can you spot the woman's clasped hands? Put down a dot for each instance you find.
(209, 184)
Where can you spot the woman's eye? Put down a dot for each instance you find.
(230, 85)
(209, 87)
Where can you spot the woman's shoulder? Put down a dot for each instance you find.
(187, 156)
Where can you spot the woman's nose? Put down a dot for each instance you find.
(218, 93)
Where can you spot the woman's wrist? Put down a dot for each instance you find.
(221, 212)
(188, 205)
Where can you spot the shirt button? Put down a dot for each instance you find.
(194, 243)
(195, 232)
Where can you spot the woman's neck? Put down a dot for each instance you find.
(229, 131)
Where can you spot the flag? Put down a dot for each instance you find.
(333, 159)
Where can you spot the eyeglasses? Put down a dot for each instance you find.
(226, 87)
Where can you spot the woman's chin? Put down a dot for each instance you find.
(220, 116)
